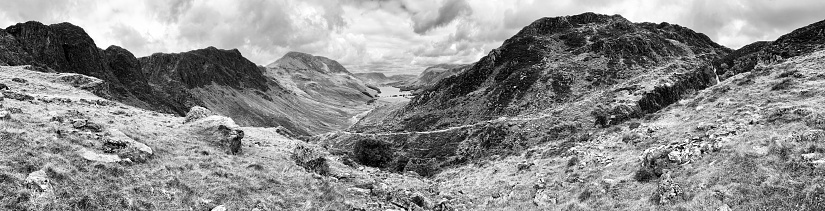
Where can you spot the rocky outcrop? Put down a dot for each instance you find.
(801, 41)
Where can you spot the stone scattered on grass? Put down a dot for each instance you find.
(19, 80)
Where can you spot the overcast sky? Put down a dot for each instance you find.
(384, 35)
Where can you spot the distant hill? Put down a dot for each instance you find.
(379, 79)
(432, 75)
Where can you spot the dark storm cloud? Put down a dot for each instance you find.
(446, 14)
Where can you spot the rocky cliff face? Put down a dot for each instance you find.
(63, 47)
(799, 42)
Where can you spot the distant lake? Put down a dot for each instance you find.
(387, 92)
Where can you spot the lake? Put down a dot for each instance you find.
(389, 93)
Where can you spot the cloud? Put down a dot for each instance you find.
(446, 14)
(385, 35)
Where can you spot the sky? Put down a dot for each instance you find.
(391, 36)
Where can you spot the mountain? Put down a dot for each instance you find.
(67, 48)
(432, 75)
(378, 79)
(221, 80)
(555, 62)
(319, 78)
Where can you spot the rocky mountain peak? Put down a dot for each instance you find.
(571, 55)
(202, 67)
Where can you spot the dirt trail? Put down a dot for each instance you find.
(500, 119)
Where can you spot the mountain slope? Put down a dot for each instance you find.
(319, 78)
(432, 75)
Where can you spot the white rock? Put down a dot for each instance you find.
(219, 208)
(39, 181)
(94, 156)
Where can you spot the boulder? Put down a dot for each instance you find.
(19, 80)
(196, 113)
(219, 130)
(117, 142)
(39, 182)
(5, 115)
(85, 124)
(4, 87)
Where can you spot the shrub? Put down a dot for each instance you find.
(310, 160)
(784, 84)
(372, 152)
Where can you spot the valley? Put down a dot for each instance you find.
(578, 112)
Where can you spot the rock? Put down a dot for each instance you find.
(544, 198)
(88, 83)
(5, 115)
(15, 110)
(98, 157)
(19, 80)
(422, 201)
(219, 130)
(3, 87)
(39, 182)
(724, 207)
(359, 191)
(667, 191)
(219, 208)
(820, 164)
(84, 124)
(196, 113)
(17, 96)
(124, 146)
(812, 156)
(524, 166)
